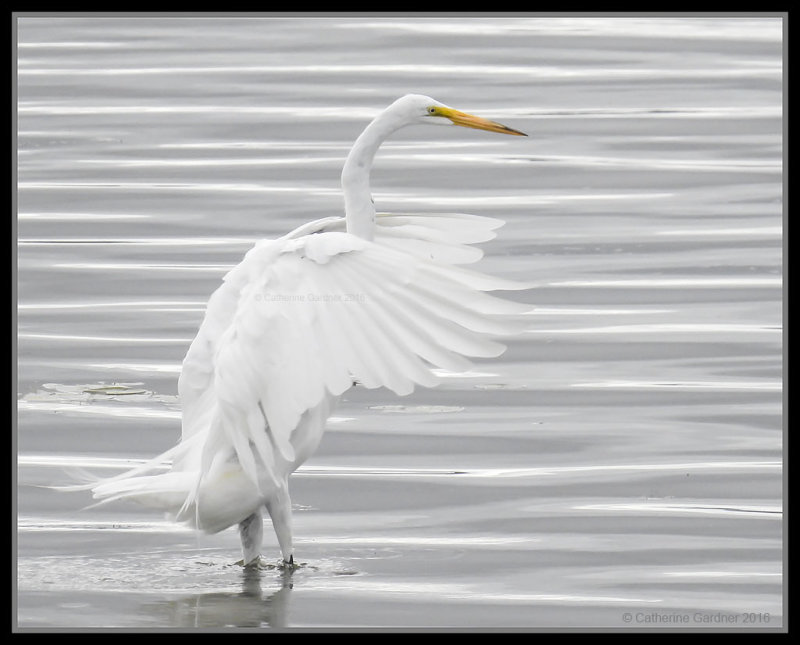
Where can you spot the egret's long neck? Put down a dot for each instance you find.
(358, 207)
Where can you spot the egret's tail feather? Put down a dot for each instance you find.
(220, 500)
(78, 474)
(91, 481)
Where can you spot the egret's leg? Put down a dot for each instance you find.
(280, 510)
(251, 530)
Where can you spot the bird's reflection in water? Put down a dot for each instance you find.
(251, 607)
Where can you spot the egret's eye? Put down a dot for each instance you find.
(431, 110)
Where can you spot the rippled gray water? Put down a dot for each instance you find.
(619, 466)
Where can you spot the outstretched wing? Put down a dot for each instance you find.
(304, 316)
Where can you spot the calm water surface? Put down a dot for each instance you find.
(620, 465)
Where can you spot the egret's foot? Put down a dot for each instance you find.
(253, 564)
(290, 565)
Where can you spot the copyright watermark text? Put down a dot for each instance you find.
(677, 618)
(309, 297)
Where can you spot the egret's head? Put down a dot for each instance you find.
(424, 109)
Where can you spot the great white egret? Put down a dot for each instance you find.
(376, 300)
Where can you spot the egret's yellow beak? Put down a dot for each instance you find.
(472, 121)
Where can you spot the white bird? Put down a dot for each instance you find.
(377, 300)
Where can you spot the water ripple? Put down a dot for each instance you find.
(541, 72)
(768, 386)
(671, 283)
(736, 29)
(71, 338)
(330, 470)
(767, 512)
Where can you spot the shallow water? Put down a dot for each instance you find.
(619, 466)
